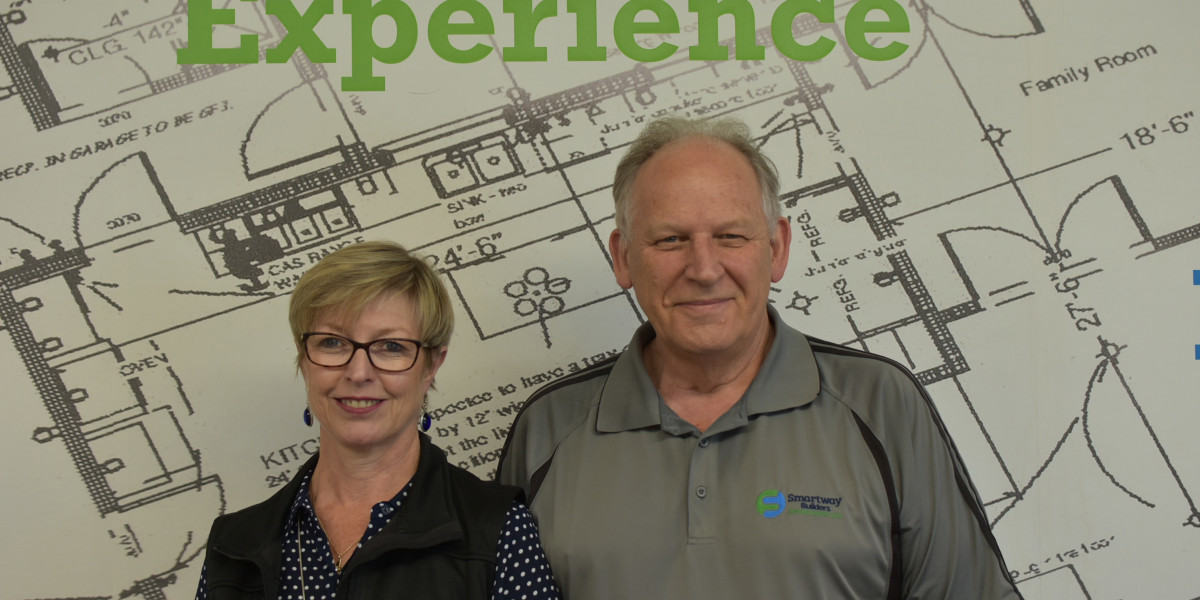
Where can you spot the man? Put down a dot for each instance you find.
(724, 454)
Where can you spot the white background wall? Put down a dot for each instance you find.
(1029, 254)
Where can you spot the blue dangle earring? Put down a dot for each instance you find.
(308, 418)
(426, 420)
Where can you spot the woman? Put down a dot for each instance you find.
(378, 512)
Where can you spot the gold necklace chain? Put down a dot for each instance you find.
(300, 553)
(337, 559)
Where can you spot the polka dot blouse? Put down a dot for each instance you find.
(522, 570)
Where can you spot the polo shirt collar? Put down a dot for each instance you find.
(629, 400)
(787, 379)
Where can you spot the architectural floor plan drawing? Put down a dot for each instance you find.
(100, 56)
(1007, 209)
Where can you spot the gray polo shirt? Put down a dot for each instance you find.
(833, 477)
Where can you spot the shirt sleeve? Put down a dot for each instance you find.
(522, 570)
(948, 549)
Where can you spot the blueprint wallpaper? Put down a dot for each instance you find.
(1009, 208)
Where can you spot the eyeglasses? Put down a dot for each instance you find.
(391, 354)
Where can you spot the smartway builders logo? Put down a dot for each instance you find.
(638, 30)
(773, 503)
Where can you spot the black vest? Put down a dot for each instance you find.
(441, 544)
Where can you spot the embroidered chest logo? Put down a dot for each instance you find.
(774, 503)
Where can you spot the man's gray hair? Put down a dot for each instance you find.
(661, 132)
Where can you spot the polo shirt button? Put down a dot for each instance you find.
(701, 492)
(387, 510)
(704, 443)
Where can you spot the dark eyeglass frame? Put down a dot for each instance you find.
(365, 347)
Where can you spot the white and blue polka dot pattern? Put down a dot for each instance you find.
(522, 570)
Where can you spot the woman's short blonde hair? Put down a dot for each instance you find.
(349, 279)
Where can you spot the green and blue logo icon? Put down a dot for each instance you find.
(771, 503)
